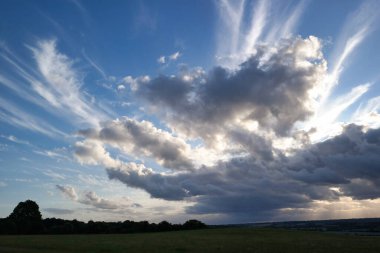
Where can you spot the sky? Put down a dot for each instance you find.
(223, 111)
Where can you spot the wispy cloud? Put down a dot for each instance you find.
(55, 86)
(15, 139)
(175, 56)
(357, 27)
(368, 113)
(284, 26)
(14, 115)
(245, 36)
(62, 84)
(94, 65)
(257, 25)
(90, 198)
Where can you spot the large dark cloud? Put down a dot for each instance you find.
(252, 111)
(350, 160)
(251, 187)
(272, 88)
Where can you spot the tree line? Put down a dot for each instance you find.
(27, 219)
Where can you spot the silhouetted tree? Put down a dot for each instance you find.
(27, 218)
(194, 224)
(28, 210)
(164, 226)
(7, 226)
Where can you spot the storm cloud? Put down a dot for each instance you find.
(272, 88)
(248, 119)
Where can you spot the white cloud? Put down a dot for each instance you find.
(170, 58)
(175, 56)
(15, 139)
(68, 191)
(161, 60)
(90, 198)
(357, 27)
(121, 87)
(61, 85)
(14, 115)
(252, 116)
(54, 175)
(243, 37)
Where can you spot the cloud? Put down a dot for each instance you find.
(141, 139)
(348, 160)
(169, 58)
(94, 65)
(175, 56)
(52, 84)
(13, 114)
(68, 191)
(257, 118)
(279, 20)
(61, 84)
(58, 211)
(133, 82)
(145, 19)
(90, 198)
(92, 152)
(161, 59)
(250, 117)
(357, 27)
(15, 139)
(272, 89)
(120, 87)
(53, 175)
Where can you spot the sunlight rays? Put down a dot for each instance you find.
(267, 23)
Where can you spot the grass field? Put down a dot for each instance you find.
(213, 240)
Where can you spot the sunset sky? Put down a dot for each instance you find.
(223, 111)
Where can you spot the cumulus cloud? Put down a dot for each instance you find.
(348, 160)
(251, 114)
(90, 198)
(140, 139)
(251, 119)
(68, 191)
(272, 88)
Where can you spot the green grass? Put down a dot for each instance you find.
(213, 240)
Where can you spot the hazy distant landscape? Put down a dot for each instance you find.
(211, 240)
(24, 230)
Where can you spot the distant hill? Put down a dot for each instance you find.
(365, 226)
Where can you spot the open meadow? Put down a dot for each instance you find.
(209, 240)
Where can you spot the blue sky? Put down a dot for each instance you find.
(224, 111)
